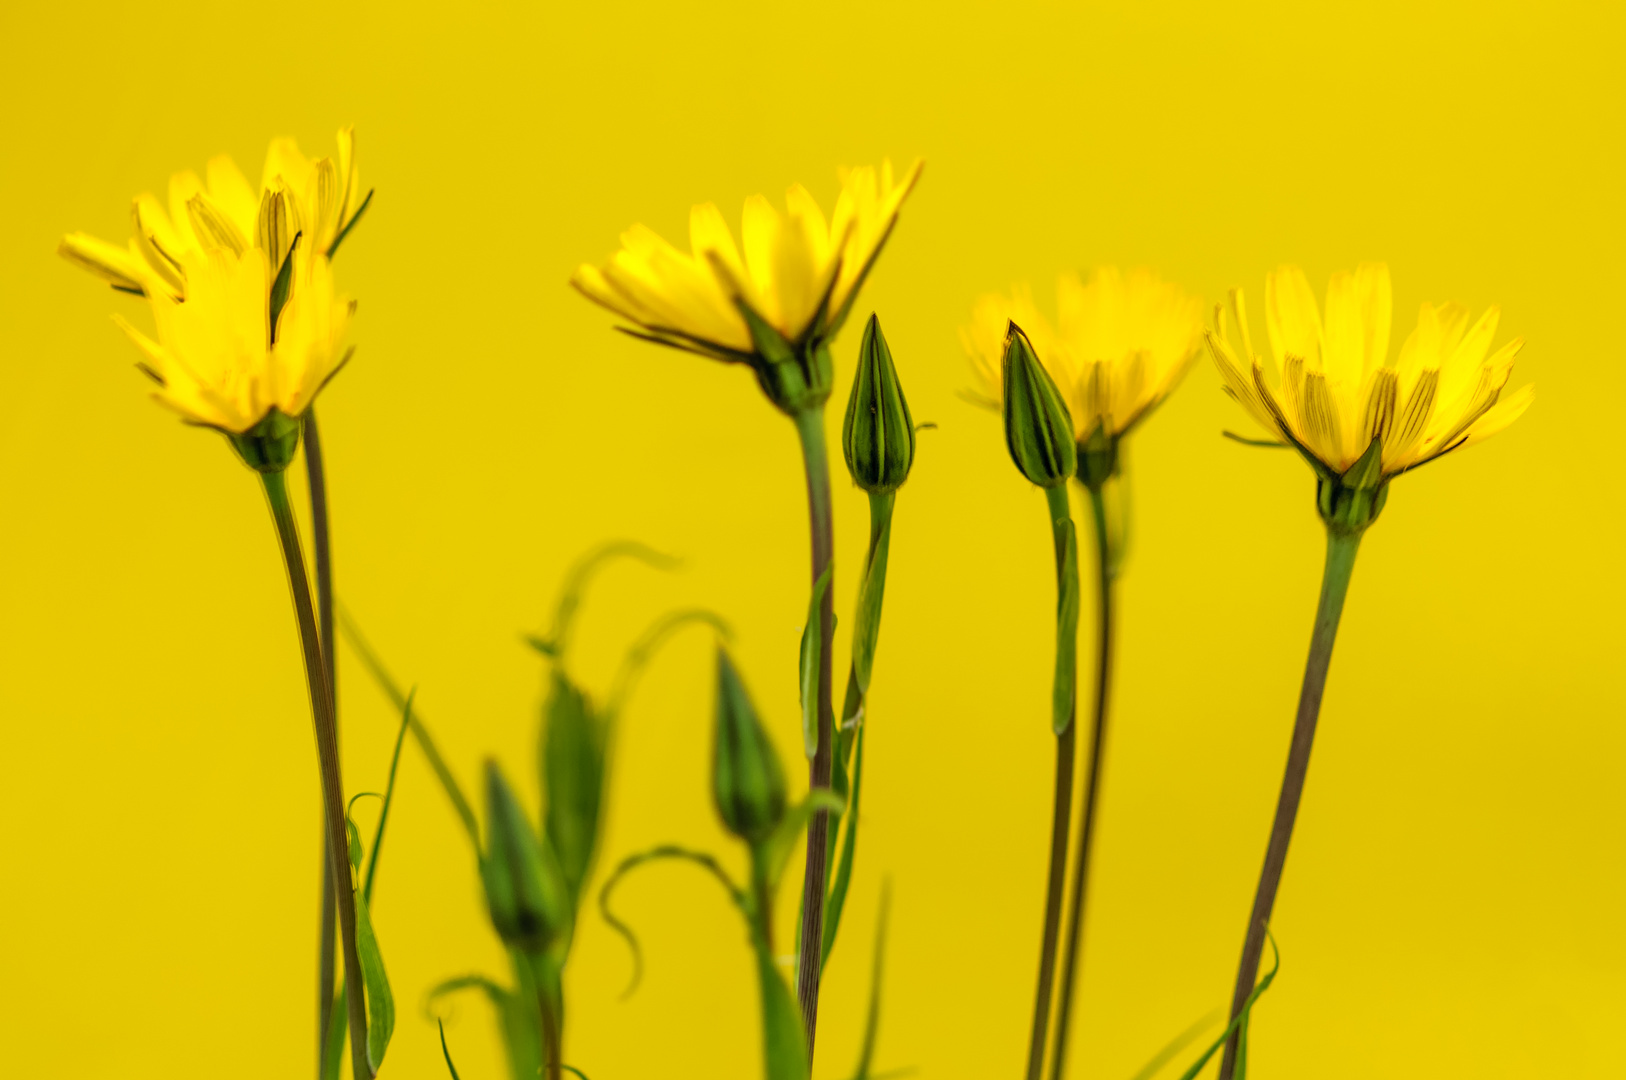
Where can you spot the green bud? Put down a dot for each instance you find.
(1038, 427)
(1097, 457)
(573, 757)
(1353, 501)
(269, 445)
(748, 781)
(878, 435)
(525, 891)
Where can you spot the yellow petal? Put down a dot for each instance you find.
(1502, 414)
(1291, 317)
(117, 265)
(212, 227)
(231, 194)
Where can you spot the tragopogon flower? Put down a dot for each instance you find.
(219, 359)
(1339, 397)
(1119, 346)
(317, 200)
(780, 300)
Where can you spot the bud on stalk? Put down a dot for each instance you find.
(748, 781)
(1038, 426)
(878, 434)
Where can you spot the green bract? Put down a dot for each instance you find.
(878, 434)
(1038, 427)
(269, 445)
(748, 781)
(1351, 502)
(525, 891)
(573, 762)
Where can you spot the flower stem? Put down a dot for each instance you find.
(1341, 549)
(327, 748)
(1060, 822)
(316, 478)
(1092, 783)
(816, 464)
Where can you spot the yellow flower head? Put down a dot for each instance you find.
(1338, 392)
(795, 273)
(218, 360)
(315, 200)
(1119, 346)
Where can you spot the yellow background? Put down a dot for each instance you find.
(1454, 903)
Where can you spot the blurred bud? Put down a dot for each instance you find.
(572, 778)
(747, 778)
(269, 445)
(1038, 427)
(525, 891)
(878, 435)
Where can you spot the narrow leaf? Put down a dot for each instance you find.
(872, 1021)
(557, 640)
(632, 862)
(389, 797)
(645, 648)
(380, 1001)
(447, 1054)
(1241, 1022)
(849, 846)
(1175, 1046)
(812, 647)
(784, 1046)
(776, 850)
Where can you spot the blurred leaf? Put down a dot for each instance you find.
(844, 869)
(572, 767)
(1176, 1045)
(526, 895)
(338, 1026)
(777, 849)
(812, 647)
(1240, 1024)
(1066, 626)
(557, 640)
(447, 1054)
(522, 1037)
(645, 648)
(867, 627)
(784, 1043)
(631, 863)
(872, 1021)
(375, 667)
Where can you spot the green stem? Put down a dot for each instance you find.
(816, 464)
(316, 478)
(1060, 821)
(1092, 783)
(327, 748)
(1341, 549)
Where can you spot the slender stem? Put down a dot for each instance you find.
(316, 478)
(1060, 822)
(327, 749)
(816, 464)
(1092, 783)
(1341, 549)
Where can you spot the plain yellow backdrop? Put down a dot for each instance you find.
(1454, 901)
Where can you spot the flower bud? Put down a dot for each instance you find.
(878, 435)
(1038, 427)
(525, 892)
(748, 781)
(269, 445)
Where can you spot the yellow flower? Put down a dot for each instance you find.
(313, 199)
(1119, 346)
(217, 359)
(1339, 394)
(798, 275)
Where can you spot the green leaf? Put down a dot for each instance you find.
(849, 846)
(572, 766)
(380, 1001)
(645, 648)
(665, 851)
(1175, 1045)
(784, 1045)
(867, 626)
(333, 248)
(1240, 1024)
(392, 690)
(557, 640)
(522, 1035)
(1064, 694)
(775, 852)
(447, 1054)
(812, 646)
(389, 797)
(872, 1020)
(338, 1026)
(281, 287)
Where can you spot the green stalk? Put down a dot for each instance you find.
(1060, 821)
(816, 464)
(327, 748)
(1092, 784)
(316, 477)
(1341, 549)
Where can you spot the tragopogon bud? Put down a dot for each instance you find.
(748, 781)
(878, 435)
(1038, 427)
